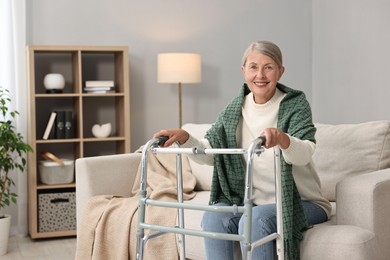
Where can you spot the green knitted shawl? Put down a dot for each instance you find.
(228, 180)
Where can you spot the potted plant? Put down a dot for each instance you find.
(12, 157)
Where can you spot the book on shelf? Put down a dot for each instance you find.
(60, 125)
(99, 89)
(68, 124)
(49, 125)
(99, 83)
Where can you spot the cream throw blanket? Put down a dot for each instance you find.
(109, 224)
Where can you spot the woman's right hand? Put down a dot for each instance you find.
(174, 135)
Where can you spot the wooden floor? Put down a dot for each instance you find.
(21, 248)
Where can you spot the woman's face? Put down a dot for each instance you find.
(261, 73)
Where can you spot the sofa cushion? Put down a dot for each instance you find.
(326, 241)
(203, 173)
(350, 149)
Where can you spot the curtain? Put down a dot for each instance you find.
(13, 77)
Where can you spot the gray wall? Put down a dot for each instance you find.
(219, 30)
(335, 51)
(351, 51)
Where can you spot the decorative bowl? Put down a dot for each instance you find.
(100, 131)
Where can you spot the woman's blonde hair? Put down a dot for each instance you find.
(267, 48)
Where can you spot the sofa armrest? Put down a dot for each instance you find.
(363, 201)
(104, 175)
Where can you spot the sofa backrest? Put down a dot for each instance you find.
(350, 149)
(342, 150)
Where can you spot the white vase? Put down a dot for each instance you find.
(54, 82)
(5, 224)
(101, 130)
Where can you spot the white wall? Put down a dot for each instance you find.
(351, 51)
(219, 30)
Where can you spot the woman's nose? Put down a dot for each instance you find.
(260, 73)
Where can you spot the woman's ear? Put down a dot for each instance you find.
(281, 71)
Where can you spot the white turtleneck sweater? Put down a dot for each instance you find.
(255, 119)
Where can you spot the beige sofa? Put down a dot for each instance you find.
(353, 163)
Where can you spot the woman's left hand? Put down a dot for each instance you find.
(275, 137)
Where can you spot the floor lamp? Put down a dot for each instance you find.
(179, 68)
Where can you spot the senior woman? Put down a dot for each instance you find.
(283, 115)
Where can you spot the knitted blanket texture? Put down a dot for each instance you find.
(228, 181)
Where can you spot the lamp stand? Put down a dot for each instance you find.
(180, 110)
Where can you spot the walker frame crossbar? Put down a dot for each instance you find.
(255, 148)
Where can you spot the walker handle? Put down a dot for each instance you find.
(263, 140)
(162, 140)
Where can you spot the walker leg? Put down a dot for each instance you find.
(142, 197)
(279, 209)
(179, 178)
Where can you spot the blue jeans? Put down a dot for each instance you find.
(263, 224)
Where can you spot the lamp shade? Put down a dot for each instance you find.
(179, 67)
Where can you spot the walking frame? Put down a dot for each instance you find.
(255, 148)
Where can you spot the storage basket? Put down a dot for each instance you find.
(56, 211)
(53, 173)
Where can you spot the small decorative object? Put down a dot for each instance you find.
(101, 130)
(54, 83)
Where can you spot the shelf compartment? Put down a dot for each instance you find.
(100, 66)
(102, 110)
(63, 62)
(56, 210)
(104, 64)
(69, 151)
(44, 107)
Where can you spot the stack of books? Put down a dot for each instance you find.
(99, 86)
(59, 125)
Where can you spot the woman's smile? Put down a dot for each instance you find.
(261, 83)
